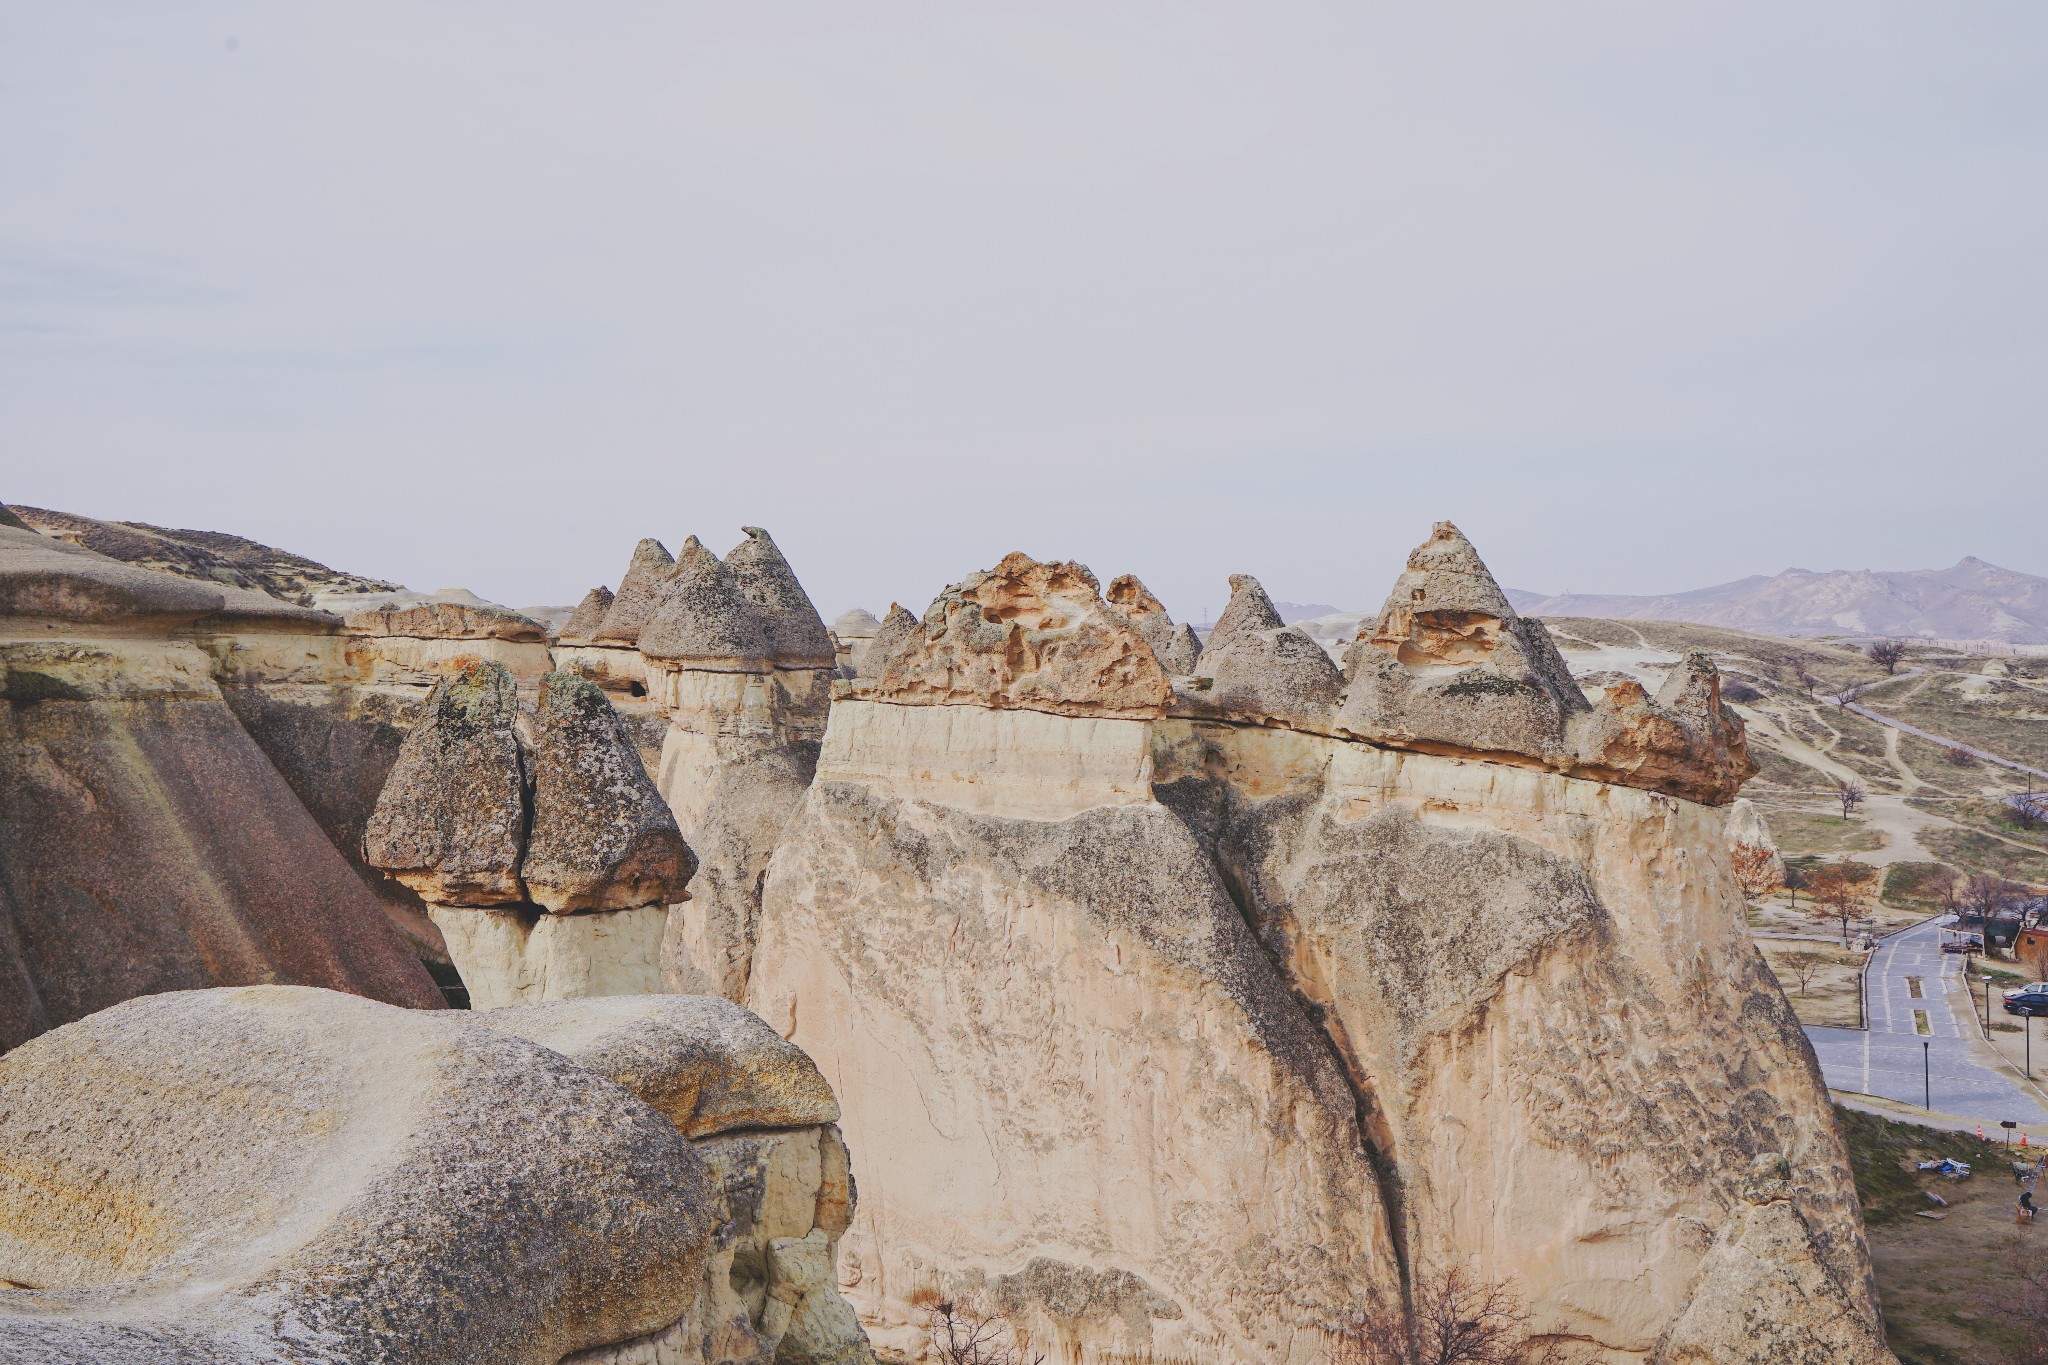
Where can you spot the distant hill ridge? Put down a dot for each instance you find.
(1971, 600)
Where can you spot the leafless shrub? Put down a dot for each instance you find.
(1456, 1318)
(1960, 756)
(1887, 653)
(1849, 794)
(1803, 965)
(966, 1330)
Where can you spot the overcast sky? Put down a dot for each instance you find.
(1645, 297)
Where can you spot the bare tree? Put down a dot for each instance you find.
(1795, 882)
(1945, 886)
(1849, 794)
(1756, 870)
(1992, 899)
(1803, 964)
(1887, 653)
(1456, 1318)
(1959, 755)
(2030, 808)
(1841, 893)
(1804, 677)
(965, 1330)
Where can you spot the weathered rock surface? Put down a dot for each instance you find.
(583, 624)
(1021, 635)
(1177, 647)
(1261, 673)
(451, 820)
(707, 1065)
(704, 620)
(278, 1174)
(639, 595)
(796, 634)
(1682, 741)
(602, 838)
(519, 954)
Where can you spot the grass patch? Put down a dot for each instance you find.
(1833, 994)
(1881, 1157)
(1975, 852)
(1815, 832)
(1907, 886)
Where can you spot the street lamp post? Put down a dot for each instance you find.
(1926, 1079)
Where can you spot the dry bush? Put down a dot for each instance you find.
(964, 1329)
(1841, 893)
(1804, 964)
(1456, 1318)
(1757, 870)
(1958, 755)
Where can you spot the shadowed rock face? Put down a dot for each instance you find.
(639, 595)
(451, 820)
(248, 1176)
(588, 618)
(1022, 635)
(602, 838)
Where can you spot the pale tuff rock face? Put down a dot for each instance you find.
(1023, 635)
(1682, 741)
(451, 820)
(1176, 646)
(583, 624)
(280, 1173)
(1074, 1068)
(522, 954)
(602, 837)
(1260, 672)
(639, 595)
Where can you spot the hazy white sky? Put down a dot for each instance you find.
(1645, 297)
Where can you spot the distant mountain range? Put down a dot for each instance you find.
(1971, 601)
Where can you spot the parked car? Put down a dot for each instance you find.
(2028, 1000)
(1962, 943)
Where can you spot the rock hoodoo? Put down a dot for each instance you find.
(1175, 645)
(638, 597)
(548, 863)
(1405, 936)
(583, 624)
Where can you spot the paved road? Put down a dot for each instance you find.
(1886, 1060)
(1983, 755)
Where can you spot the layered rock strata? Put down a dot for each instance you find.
(281, 1174)
(541, 847)
(740, 664)
(1189, 1014)
(149, 843)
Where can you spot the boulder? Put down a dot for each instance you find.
(602, 838)
(1023, 635)
(709, 1066)
(583, 624)
(451, 820)
(639, 595)
(275, 1173)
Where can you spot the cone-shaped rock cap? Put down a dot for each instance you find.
(1133, 597)
(450, 822)
(704, 618)
(796, 633)
(639, 595)
(1249, 612)
(1445, 574)
(603, 839)
(588, 618)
